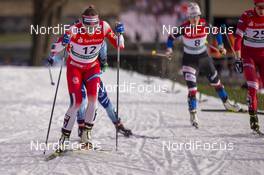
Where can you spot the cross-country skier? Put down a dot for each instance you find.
(196, 59)
(84, 40)
(103, 100)
(249, 47)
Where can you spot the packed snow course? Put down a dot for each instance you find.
(165, 141)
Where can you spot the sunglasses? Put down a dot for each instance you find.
(90, 20)
(194, 17)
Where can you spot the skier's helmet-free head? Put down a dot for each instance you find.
(259, 7)
(90, 17)
(194, 12)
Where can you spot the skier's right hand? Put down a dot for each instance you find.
(238, 65)
(50, 60)
(119, 28)
(169, 52)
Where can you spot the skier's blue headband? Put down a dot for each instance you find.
(90, 20)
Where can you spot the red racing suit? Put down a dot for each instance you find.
(250, 40)
(83, 66)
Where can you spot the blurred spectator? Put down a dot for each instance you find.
(147, 17)
(138, 41)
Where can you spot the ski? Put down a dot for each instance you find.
(55, 155)
(144, 136)
(258, 133)
(224, 110)
(128, 133)
(203, 100)
(139, 136)
(171, 92)
(63, 153)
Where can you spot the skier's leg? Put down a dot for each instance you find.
(82, 110)
(106, 103)
(74, 79)
(190, 78)
(252, 82)
(261, 71)
(110, 110)
(92, 86)
(208, 67)
(216, 83)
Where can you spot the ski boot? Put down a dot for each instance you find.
(254, 122)
(81, 126)
(232, 107)
(192, 102)
(193, 118)
(229, 106)
(121, 129)
(86, 136)
(64, 140)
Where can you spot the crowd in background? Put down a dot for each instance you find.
(144, 18)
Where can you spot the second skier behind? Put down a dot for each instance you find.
(196, 59)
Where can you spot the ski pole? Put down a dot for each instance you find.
(54, 101)
(229, 42)
(211, 46)
(155, 53)
(51, 79)
(117, 85)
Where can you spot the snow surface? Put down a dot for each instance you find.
(26, 100)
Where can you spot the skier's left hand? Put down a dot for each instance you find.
(104, 66)
(169, 52)
(65, 39)
(50, 60)
(222, 51)
(120, 28)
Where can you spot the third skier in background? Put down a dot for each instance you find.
(249, 47)
(196, 59)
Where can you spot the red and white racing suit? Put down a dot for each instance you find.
(83, 67)
(250, 40)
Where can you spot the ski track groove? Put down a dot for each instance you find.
(188, 155)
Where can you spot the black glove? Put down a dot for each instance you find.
(120, 28)
(103, 66)
(238, 66)
(103, 63)
(50, 60)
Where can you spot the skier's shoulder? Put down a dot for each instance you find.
(203, 22)
(77, 23)
(106, 27)
(248, 14)
(105, 24)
